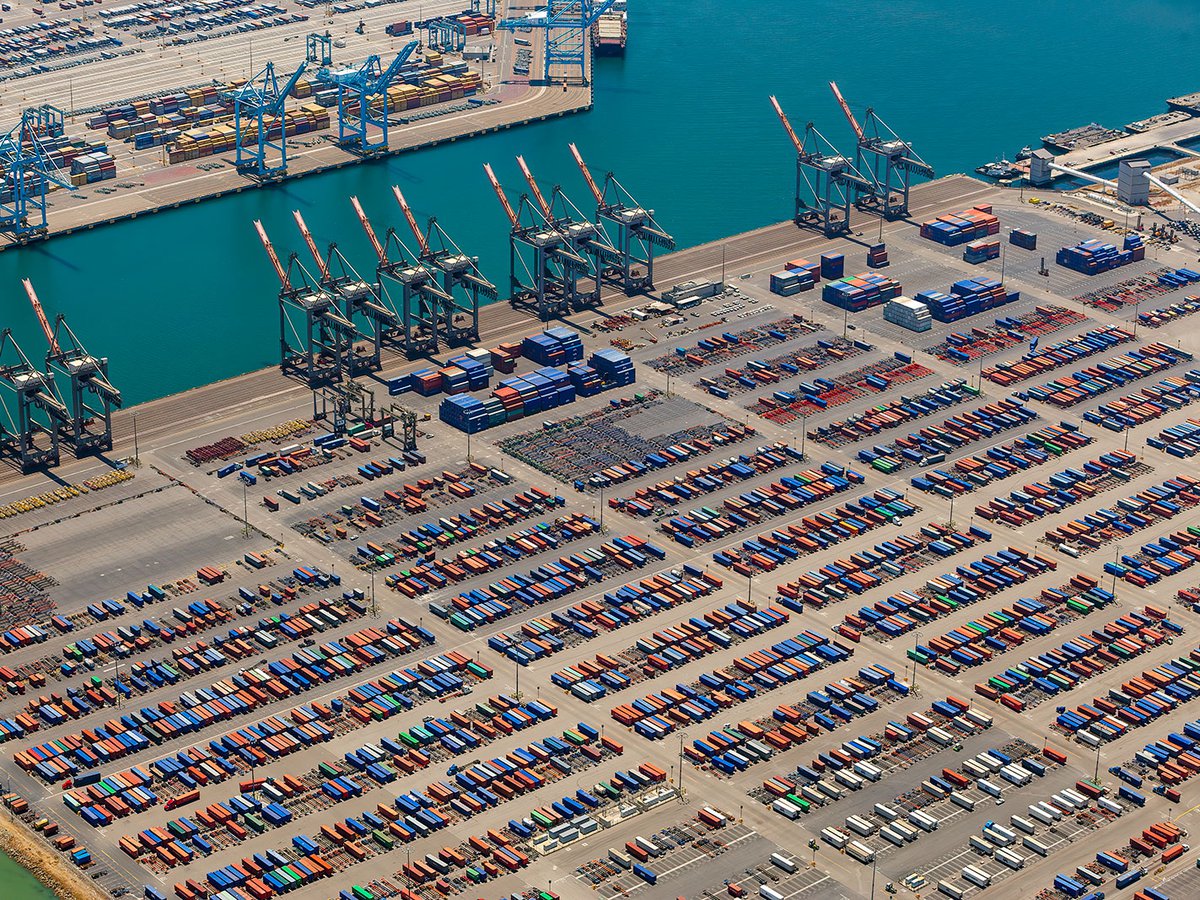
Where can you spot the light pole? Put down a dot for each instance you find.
(951, 510)
(803, 435)
(245, 509)
(749, 589)
(136, 459)
(468, 447)
(722, 265)
(374, 604)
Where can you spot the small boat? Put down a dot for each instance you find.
(1025, 153)
(1001, 168)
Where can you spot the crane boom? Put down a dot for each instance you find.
(537, 194)
(41, 316)
(272, 255)
(422, 241)
(508, 210)
(858, 132)
(322, 266)
(366, 224)
(587, 175)
(787, 126)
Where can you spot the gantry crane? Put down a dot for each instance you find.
(415, 331)
(456, 318)
(323, 338)
(637, 234)
(258, 104)
(28, 173)
(831, 178)
(889, 161)
(359, 88)
(566, 24)
(586, 238)
(318, 49)
(90, 427)
(31, 432)
(356, 298)
(538, 257)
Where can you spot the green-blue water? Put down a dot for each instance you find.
(18, 883)
(187, 297)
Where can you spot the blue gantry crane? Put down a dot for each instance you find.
(566, 24)
(28, 173)
(356, 87)
(258, 102)
(631, 263)
(832, 180)
(886, 159)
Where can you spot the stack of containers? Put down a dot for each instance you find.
(465, 413)
(615, 367)
(537, 392)
(504, 357)
(478, 372)
(833, 265)
(982, 250)
(1092, 257)
(586, 380)
(967, 298)
(908, 313)
(570, 341)
(1133, 243)
(455, 380)
(544, 349)
(426, 382)
(958, 228)
(860, 291)
(804, 266)
(877, 256)
(791, 281)
(89, 168)
(1026, 240)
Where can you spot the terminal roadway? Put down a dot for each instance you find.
(772, 245)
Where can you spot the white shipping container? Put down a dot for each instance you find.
(987, 787)
(1010, 859)
(976, 876)
(860, 825)
(950, 890)
(962, 800)
(889, 833)
(1036, 846)
(886, 812)
(834, 837)
(1023, 824)
(784, 862)
(860, 851)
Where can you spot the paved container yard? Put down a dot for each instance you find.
(359, 684)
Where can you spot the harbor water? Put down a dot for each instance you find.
(187, 297)
(19, 883)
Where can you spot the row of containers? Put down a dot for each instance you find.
(539, 391)
(1134, 701)
(957, 228)
(1092, 257)
(1083, 657)
(1060, 353)
(1089, 383)
(802, 275)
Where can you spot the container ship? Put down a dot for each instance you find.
(609, 31)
